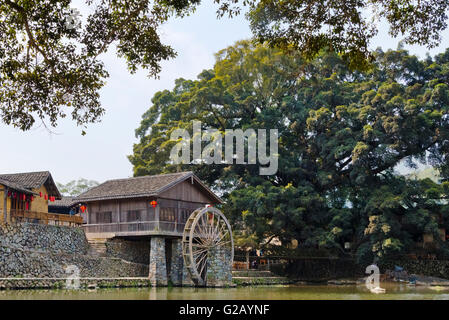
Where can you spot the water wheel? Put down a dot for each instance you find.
(206, 228)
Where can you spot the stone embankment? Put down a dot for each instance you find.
(255, 277)
(85, 283)
(30, 253)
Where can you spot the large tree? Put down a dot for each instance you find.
(341, 135)
(343, 26)
(76, 187)
(50, 63)
(51, 66)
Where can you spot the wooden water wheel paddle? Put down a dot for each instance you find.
(206, 228)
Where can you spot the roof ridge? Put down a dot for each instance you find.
(143, 186)
(150, 176)
(11, 174)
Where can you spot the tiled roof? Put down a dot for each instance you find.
(139, 187)
(27, 180)
(64, 202)
(32, 180)
(15, 186)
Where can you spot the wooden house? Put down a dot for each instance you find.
(147, 214)
(26, 196)
(144, 206)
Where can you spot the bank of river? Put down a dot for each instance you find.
(290, 292)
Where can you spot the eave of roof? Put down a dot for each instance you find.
(183, 176)
(33, 180)
(66, 202)
(16, 187)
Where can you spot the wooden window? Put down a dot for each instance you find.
(19, 204)
(104, 217)
(167, 214)
(133, 215)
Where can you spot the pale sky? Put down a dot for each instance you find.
(102, 153)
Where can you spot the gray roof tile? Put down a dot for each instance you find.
(15, 186)
(64, 202)
(138, 187)
(33, 180)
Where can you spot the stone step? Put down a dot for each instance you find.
(251, 281)
(97, 247)
(252, 273)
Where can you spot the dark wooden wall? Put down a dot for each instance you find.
(187, 191)
(175, 204)
(140, 210)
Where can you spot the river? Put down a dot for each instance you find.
(291, 292)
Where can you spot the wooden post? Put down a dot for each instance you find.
(156, 215)
(119, 212)
(5, 203)
(178, 215)
(147, 202)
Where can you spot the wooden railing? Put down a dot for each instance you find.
(138, 226)
(45, 218)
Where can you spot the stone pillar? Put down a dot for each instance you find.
(186, 280)
(176, 266)
(219, 268)
(158, 265)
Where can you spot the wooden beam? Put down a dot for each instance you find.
(5, 203)
(147, 203)
(157, 215)
(119, 204)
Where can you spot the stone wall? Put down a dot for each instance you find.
(85, 283)
(177, 262)
(44, 251)
(321, 269)
(158, 262)
(219, 268)
(434, 268)
(57, 239)
(133, 251)
(23, 263)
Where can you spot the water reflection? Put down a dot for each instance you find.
(292, 292)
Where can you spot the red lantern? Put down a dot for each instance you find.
(46, 197)
(9, 194)
(24, 197)
(27, 206)
(32, 198)
(14, 195)
(153, 203)
(40, 194)
(83, 209)
(52, 199)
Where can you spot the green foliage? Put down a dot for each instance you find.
(76, 187)
(49, 70)
(341, 133)
(345, 27)
(50, 67)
